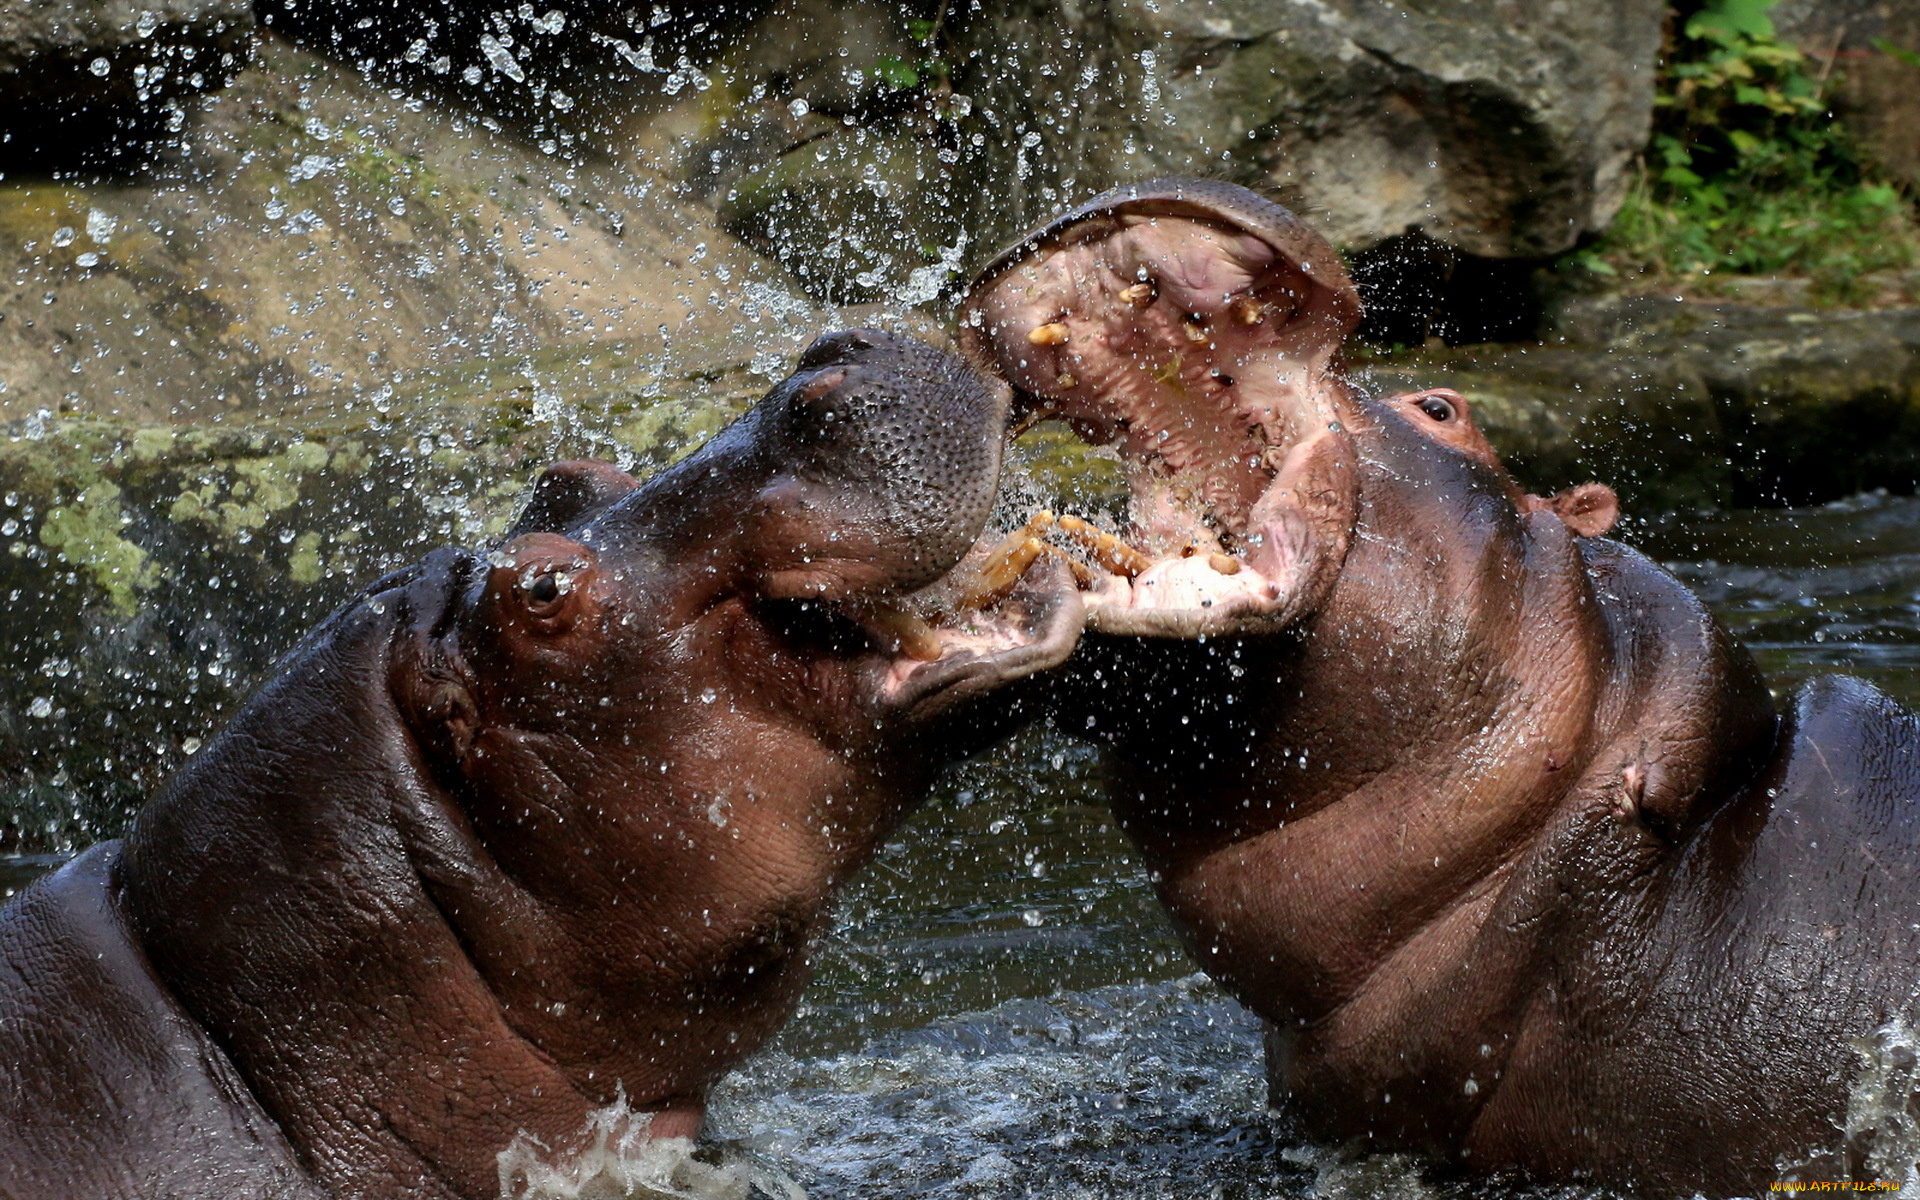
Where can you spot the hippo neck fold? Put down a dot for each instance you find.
(1485, 718)
(297, 964)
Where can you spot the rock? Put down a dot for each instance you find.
(1856, 50)
(337, 327)
(1501, 130)
(88, 73)
(315, 233)
(1682, 404)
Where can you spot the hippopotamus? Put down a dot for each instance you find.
(525, 832)
(1482, 812)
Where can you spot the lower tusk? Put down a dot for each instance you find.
(1007, 562)
(1106, 549)
(1249, 311)
(912, 636)
(1051, 334)
(1226, 564)
(1196, 332)
(1139, 295)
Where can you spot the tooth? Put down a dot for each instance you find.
(1249, 310)
(1106, 549)
(1006, 563)
(915, 637)
(1226, 564)
(1051, 334)
(1065, 381)
(1196, 332)
(1139, 295)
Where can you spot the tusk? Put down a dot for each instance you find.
(1066, 381)
(1106, 549)
(1139, 295)
(1226, 564)
(1196, 332)
(1051, 334)
(1249, 310)
(911, 635)
(1007, 562)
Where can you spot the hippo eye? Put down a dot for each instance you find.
(1437, 408)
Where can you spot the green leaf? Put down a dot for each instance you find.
(921, 30)
(1896, 53)
(1724, 21)
(896, 72)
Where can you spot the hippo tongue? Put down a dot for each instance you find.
(1192, 325)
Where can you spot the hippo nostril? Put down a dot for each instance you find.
(1436, 408)
(545, 590)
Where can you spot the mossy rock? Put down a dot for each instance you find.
(1690, 404)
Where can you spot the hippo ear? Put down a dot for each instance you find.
(567, 493)
(1590, 509)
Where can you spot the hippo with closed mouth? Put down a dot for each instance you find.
(1482, 813)
(519, 833)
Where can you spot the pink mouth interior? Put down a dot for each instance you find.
(1200, 350)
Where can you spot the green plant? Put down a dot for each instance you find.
(1747, 172)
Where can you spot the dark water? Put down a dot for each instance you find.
(1003, 1010)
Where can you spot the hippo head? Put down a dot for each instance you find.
(817, 531)
(680, 712)
(1194, 326)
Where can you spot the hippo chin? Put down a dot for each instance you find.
(1484, 814)
(518, 833)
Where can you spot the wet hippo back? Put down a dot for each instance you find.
(146, 1083)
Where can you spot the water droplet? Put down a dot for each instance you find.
(798, 108)
(397, 206)
(63, 236)
(100, 67)
(101, 226)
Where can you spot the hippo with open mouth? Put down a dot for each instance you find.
(1482, 813)
(519, 833)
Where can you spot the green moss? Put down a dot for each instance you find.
(86, 534)
(303, 565)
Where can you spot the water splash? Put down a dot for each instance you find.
(621, 1161)
(1883, 1107)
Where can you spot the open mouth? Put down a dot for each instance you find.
(1193, 327)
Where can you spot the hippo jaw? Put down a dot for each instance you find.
(1193, 326)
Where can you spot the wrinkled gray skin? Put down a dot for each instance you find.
(1489, 820)
(517, 832)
